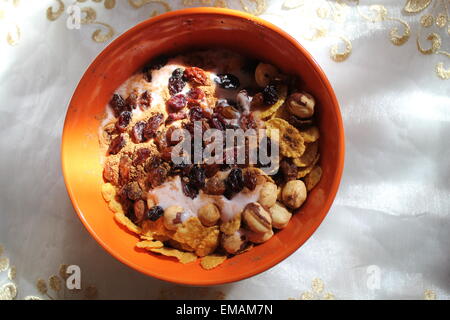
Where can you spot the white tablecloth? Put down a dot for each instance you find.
(388, 232)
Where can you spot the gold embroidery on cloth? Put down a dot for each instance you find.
(317, 292)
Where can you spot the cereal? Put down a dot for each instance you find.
(108, 192)
(232, 225)
(183, 257)
(290, 139)
(127, 223)
(310, 134)
(212, 261)
(308, 156)
(313, 178)
(304, 171)
(280, 216)
(149, 244)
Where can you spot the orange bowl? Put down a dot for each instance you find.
(171, 33)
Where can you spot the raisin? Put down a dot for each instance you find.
(117, 104)
(211, 169)
(178, 73)
(234, 183)
(131, 101)
(160, 140)
(140, 156)
(177, 102)
(176, 85)
(146, 100)
(197, 177)
(139, 210)
(270, 94)
(116, 145)
(215, 186)
(108, 173)
(176, 116)
(196, 76)
(152, 126)
(288, 170)
(166, 154)
(227, 81)
(217, 123)
(124, 169)
(133, 191)
(154, 213)
(250, 179)
(137, 133)
(123, 121)
(157, 176)
(188, 189)
(170, 136)
(195, 96)
(195, 114)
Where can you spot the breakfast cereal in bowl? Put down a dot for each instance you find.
(208, 153)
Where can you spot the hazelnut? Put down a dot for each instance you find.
(294, 194)
(209, 215)
(264, 74)
(235, 242)
(301, 105)
(259, 237)
(280, 216)
(172, 217)
(268, 194)
(256, 218)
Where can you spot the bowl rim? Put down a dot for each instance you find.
(323, 79)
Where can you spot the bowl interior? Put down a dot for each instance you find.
(175, 32)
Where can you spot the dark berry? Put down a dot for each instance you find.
(217, 122)
(195, 113)
(227, 81)
(176, 85)
(118, 104)
(137, 133)
(197, 177)
(177, 102)
(152, 126)
(146, 100)
(234, 182)
(123, 121)
(177, 73)
(131, 101)
(170, 136)
(176, 116)
(116, 145)
(154, 213)
(189, 190)
(270, 94)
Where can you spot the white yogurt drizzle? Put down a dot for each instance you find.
(170, 193)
